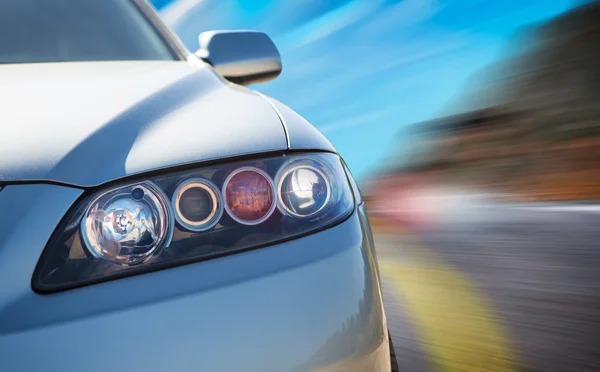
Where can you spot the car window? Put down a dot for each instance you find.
(77, 30)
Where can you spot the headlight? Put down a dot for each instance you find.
(188, 216)
(127, 225)
(249, 195)
(303, 188)
(197, 204)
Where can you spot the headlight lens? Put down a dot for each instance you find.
(198, 205)
(249, 195)
(193, 215)
(127, 225)
(304, 188)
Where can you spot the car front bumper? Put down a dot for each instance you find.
(310, 304)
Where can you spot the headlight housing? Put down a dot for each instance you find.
(183, 217)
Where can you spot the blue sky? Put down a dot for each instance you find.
(361, 70)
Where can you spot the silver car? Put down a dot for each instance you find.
(156, 215)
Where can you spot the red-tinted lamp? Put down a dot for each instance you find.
(249, 195)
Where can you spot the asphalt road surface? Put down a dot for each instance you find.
(505, 289)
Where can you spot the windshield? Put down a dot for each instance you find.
(77, 30)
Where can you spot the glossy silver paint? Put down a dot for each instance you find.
(89, 123)
(311, 304)
(241, 56)
(302, 134)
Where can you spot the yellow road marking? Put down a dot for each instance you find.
(451, 316)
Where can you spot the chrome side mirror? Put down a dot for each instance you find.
(242, 57)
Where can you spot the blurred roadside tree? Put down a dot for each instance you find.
(530, 124)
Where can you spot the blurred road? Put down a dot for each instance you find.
(506, 289)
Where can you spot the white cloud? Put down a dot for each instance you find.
(404, 14)
(331, 74)
(172, 13)
(327, 24)
(360, 120)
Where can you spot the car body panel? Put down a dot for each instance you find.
(86, 123)
(29, 214)
(302, 134)
(310, 304)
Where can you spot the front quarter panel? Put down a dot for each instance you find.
(28, 216)
(310, 304)
(301, 134)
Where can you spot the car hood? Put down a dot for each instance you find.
(91, 122)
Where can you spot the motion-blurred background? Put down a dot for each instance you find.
(473, 128)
